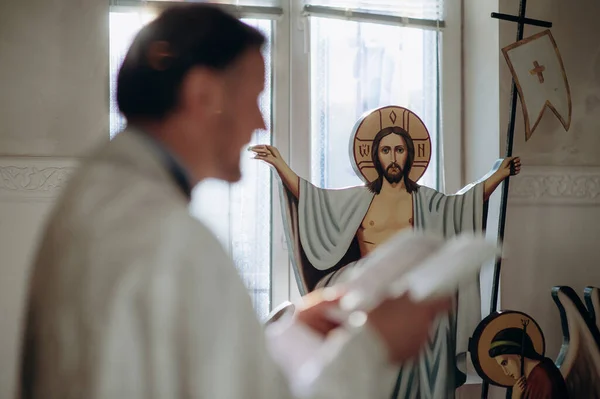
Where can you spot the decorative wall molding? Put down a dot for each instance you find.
(45, 177)
(555, 185)
(34, 177)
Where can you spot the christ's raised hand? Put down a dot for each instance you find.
(271, 155)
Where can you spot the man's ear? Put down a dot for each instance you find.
(203, 90)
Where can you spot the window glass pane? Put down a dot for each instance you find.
(239, 214)
(356, 67)
(123, 26)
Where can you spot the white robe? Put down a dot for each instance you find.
(321, 229)
(131, 297)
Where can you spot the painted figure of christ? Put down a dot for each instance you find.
(330, 230)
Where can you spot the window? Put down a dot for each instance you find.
(357, 67)
(239, 214)
(328, 62)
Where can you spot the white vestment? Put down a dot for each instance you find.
(133, 298)
(321, 228)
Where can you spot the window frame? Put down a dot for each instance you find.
(291, 108)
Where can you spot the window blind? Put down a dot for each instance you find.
(258, 3)
(432, 10)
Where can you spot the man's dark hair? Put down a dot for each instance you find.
(375, 185)
(164, 51)
(513, 341)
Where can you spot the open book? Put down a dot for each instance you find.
(417, 264)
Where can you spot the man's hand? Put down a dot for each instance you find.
(404, 325)
(313, 311)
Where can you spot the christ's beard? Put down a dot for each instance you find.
(393, 173)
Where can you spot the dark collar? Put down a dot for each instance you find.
(173, 165)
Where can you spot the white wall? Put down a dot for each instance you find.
(553, 235)
(481, 96)
(554, 205)
(53, 107)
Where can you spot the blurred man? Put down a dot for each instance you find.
(131, 297)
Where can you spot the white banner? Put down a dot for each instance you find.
(541, 80)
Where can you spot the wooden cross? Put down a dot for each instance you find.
(521, 21)
(538, 70)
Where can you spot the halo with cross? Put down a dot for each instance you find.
(481, 342)
(371, 123)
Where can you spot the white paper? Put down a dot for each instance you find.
(423, 266)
